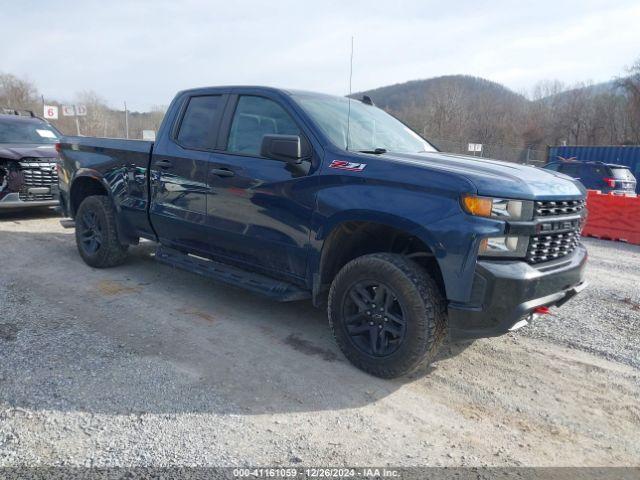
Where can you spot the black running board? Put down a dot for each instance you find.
(274, 289)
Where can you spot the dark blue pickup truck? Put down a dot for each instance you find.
(301, 195)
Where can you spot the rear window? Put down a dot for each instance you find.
(622, 174)
(199, 125)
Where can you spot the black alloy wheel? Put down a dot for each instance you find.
(374, 318)
(96, 233)
(90, 232)
(387, 314)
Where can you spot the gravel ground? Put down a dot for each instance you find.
(605, 319)
(143, 365)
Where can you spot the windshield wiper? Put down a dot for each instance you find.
(375, 151)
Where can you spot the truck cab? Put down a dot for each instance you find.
(303, 195)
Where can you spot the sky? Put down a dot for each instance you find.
(144, 51)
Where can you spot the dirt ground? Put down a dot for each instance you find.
(147, 365)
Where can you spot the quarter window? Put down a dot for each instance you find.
(254, 118)
(199, 125)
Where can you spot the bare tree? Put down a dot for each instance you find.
(631, 85)
(17, 93)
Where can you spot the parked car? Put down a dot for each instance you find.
(28, 175)
(606, 177)
(626, 155)
(299, 195)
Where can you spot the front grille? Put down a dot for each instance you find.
(548, 208)
(543, 248)
(547, 245)
(37, 172)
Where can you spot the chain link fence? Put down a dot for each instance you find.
(509, 153)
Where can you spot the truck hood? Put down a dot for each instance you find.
(497, 178)
(16, 151)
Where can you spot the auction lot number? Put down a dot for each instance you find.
(314, 472)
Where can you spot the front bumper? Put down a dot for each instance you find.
(13, 200)
(506, 291)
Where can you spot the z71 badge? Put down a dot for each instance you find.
(344, 165)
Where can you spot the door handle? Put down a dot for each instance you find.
(164, 164)
(222, 172)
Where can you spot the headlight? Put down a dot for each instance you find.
(505, 246)
(498, 208)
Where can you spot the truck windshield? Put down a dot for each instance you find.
(12, 131)
(370, 128)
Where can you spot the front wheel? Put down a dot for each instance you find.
(96, 235)
(386, 313)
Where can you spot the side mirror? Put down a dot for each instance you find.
(287, 148)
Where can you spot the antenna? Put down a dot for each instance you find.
(349, 97)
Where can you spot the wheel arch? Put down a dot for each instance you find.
(349, 237)
(88, 182)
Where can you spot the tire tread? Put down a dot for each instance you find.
(433, 306)
(114, 252)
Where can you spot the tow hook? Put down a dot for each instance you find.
(536, 313)
(542, 311)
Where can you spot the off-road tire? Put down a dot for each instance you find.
(421, 301)
(110, 252)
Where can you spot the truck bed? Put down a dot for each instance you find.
(123, 166)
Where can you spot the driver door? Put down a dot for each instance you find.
(259, 209)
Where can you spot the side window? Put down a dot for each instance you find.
(552, 166)
(199, 125)
(255, 117)
(571, 169)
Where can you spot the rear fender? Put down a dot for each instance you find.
(126, 233)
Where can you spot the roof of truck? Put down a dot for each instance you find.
(21, 118)
(286, 91)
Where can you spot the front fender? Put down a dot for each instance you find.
(436, 219)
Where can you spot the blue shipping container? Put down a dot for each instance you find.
(623, 155)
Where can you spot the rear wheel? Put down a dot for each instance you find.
(386, 313)
(96, 235)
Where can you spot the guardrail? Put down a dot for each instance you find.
(613, 217)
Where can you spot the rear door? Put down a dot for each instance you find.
(598, 175)
(179, 172)
(259, 209)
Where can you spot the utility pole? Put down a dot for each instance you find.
(126, 120)
(77, 125)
